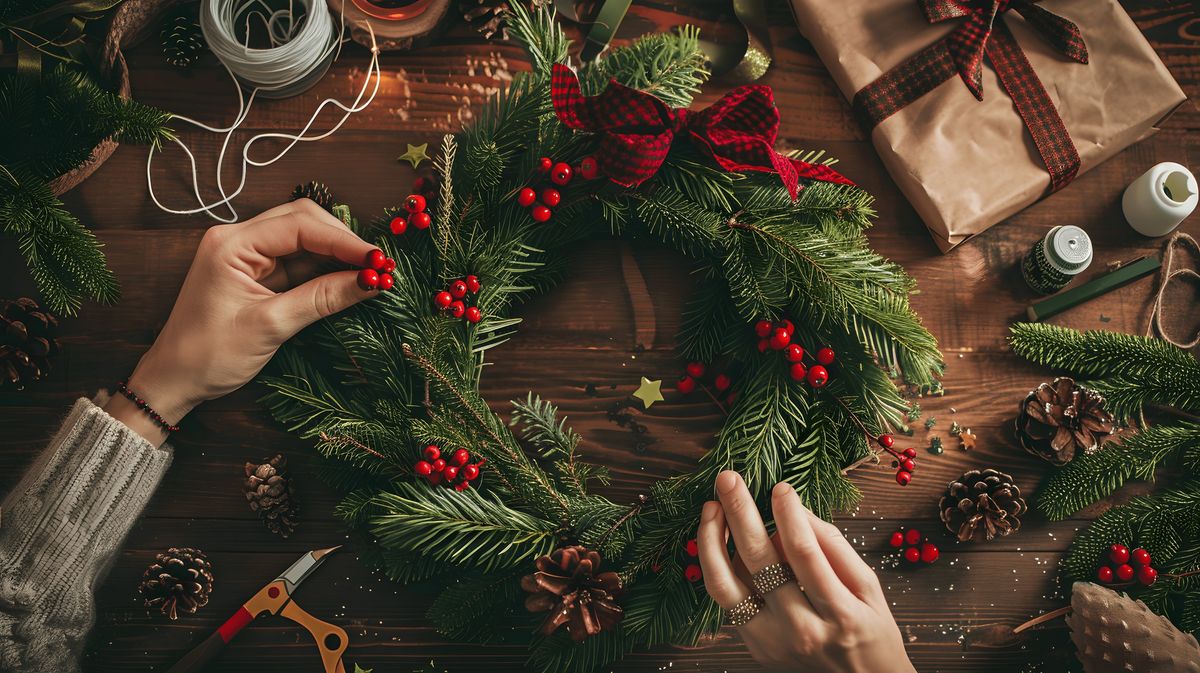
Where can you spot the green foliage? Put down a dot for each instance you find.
(756, 253)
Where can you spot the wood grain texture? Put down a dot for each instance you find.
(953, 613)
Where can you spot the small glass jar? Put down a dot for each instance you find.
(1055, 259)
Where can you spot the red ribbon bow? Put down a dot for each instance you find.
(637, 129)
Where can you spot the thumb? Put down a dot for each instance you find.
(318, 298)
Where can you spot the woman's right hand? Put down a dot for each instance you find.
(832, 618)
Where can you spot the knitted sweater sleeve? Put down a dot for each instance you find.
(61, 528)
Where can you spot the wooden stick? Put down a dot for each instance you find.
(1053, 614)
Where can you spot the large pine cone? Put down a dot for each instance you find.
(28, 342)
(179, 580)
(317, 191)
(1060, 419)
(268, 488)
(1114, 633)
(982, 504)
(568, 584)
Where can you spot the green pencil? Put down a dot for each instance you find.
(1093, 288)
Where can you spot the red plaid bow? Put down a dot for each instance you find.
(738, 131)
(968, 42)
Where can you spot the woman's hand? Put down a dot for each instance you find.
(832, 618)
(235, 308)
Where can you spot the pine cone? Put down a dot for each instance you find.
(982, 504)
(316, 191)
(28, 342)
(1060, 419)
(486, 16)
(568, 585)
(179, 580)
(1114, 633)
(182, 39)
(269, 492)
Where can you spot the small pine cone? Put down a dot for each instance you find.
(1060, 420)
(182, 38)
(268, 488)
(486, 17)
(316, 191)
(982, 504)
(569, 585)
(27, 343)
(180, 580)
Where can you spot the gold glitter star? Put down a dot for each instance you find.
(649, 392)
(415, 154)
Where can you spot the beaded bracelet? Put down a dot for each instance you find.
(123, 388)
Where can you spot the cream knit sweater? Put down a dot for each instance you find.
(61, 528)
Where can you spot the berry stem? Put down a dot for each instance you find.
(867, 433)
(714, 399)
(343, 439)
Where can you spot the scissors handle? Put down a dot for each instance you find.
(269, 599)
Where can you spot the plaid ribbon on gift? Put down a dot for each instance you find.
(637, 131)
(983, 33)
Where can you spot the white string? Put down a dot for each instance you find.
(268, 70)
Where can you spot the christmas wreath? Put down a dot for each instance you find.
(503, 512)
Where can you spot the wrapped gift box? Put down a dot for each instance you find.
(967, 164)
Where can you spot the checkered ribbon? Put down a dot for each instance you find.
(637, 131)
(983, 32)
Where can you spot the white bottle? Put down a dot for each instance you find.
(1160, 199)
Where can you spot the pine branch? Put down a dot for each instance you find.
(668, 65)
(540, 34)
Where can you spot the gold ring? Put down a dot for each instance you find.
(745, 610)
(771, 578)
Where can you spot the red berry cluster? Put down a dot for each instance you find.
(1119, 569)
(917, 548)
(692, 570)
(378, 274)
(905, 461)
(457, 472)
(777, 336)
(453, 300)
(414, 205)
(560, 173)
(692, 375)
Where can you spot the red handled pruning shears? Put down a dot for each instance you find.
(276, 599)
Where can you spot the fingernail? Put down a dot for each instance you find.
(727, 481)
(783, 488)
(709, 511)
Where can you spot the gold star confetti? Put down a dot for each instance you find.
(415, 154)
(649, 392)
(360, 669)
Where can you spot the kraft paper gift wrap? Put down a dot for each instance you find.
(966, 164)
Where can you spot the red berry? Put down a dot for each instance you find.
(473, 284)
(544, 164)
(415, 203)
(459, 457)
(763, 328)
(693, 573)
(912, 554)
(442, 299)
(1124, 572)
(695, 369)
(1141, 557)
(692, 548)
(435, 478)
(763, 345)
(432, 452)
(886, 441)
(686, 385)
(929, 552)
(457, 308)
(540, 214)
(461, 486)
(560, 174)
(817, 376)
(1147, 575)
(825, 356)
(526, 197)
(375, 259)
(389, 265)
(897, 540)
(793, 353)
(450, 473)
(912, 536)
(731, 398)
(398, 225)
(589, 168)
(386, 281)
(1118, 554)
(722, 383)
(420, 220)
(908, 465)
(903, 477)
(798, 371)
(368, 279)
(780, 339)
(473, 314)
(909, 452)
(458, 289)
(1104, 574)
(439, 465)
(551, 197)
(420, 183)
(787, 325)
(423, 468)
(470, 472)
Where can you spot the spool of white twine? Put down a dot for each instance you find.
(1160, 199)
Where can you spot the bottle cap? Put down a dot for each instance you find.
(1068, 249)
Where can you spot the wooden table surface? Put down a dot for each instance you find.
(582, 334)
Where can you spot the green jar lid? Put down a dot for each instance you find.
(1068, 249)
